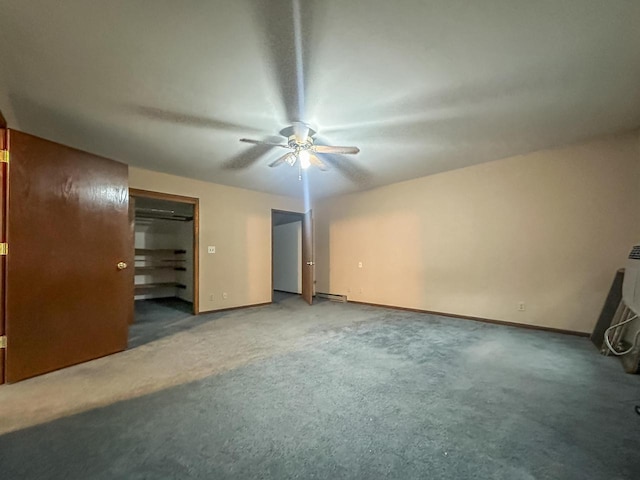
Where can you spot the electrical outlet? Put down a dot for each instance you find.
(211, 297)
(521, 307)
(359, 264)
(211, 249)
(224, 295)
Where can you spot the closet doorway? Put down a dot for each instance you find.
(165, 230)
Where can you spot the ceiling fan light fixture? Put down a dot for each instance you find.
(291, 159)
(304, 151)
(303, 157)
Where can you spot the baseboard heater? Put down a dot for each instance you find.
(333, 297)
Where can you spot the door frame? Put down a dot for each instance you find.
(136, 192)
(300, 217)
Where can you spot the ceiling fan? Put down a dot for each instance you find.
(304, 152)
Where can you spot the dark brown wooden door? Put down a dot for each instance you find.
(307, 258)
(4, 170)
(66, 299)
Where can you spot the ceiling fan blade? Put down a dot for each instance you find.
(344, 165)
(260, 142)
(287, 157)
(330, 149)
(314, 160)
(301, 131)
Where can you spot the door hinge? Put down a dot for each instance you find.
(3, 341)
(4, 156)
(4, 248)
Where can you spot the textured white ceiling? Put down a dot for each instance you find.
(420, 86)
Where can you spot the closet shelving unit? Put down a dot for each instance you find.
(158, 260)
(149, 261)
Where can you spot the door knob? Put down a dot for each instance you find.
(122, 265)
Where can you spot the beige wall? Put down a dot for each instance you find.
(548, 229)
(238, 223)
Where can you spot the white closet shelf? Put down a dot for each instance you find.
(145, 287)
(159, 251)
(148, 268)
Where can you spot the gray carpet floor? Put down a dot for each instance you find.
(159, 318)
(388, 394)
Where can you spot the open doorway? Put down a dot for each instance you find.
(292, 255)
(286, 247)
(165, 229)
